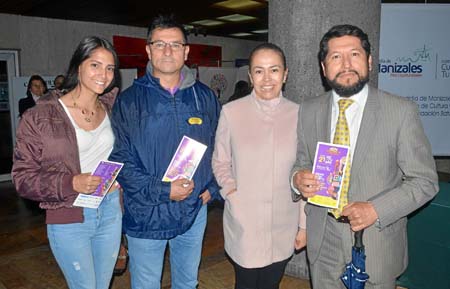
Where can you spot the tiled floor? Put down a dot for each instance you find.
(27, 263)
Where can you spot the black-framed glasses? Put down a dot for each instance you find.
(160, 45)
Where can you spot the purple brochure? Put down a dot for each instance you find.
(185, 161)
(329, 167)
(108, 171)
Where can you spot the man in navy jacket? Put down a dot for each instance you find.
(149, 120)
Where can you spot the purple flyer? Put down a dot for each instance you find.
(329, 167)
(185, 161)
(108, 171)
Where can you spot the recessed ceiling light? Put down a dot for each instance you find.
(241, 34)
(207, 22)
(236, 18)
(262, 31)
(239, 4)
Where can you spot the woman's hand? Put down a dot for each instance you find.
(300, 239)
(85, 183)
(115, 186)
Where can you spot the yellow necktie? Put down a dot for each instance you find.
(342, 137)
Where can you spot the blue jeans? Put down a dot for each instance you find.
(87, 252)
(147, 257)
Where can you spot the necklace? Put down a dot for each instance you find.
(87, 115)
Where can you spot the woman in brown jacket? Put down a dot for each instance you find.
(59, 143)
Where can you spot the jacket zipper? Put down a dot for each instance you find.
(182, 211)
(176, 115)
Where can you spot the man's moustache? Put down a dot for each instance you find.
(347, 71)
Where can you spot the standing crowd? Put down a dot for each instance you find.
(259, 158)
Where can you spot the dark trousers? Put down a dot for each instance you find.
(268, 277)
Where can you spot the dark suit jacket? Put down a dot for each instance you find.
(26, 103)
(392, 167)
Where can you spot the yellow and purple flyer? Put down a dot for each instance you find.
(329, 166)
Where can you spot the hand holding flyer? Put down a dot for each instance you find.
(329, 167)
(108, 171)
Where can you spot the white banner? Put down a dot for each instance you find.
(221, 80)
(415, 63)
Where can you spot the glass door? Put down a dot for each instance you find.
(8, 69)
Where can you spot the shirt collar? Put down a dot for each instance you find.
(176, 87)
(35, 97)
(267, 106)
(360, 98)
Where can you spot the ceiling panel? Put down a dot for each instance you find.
(140, 12)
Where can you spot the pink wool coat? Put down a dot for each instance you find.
(255, 150)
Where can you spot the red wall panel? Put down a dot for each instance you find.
(132, 54)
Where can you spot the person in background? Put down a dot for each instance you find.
(58, 144)
(35, 89)
(389, 174)
(254, 152)
(58, 82)
(241, 89)
(149, 120)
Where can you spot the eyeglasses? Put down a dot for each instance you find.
(160, 45)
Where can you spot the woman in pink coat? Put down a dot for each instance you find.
(255, 149)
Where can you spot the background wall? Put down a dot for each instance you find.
(298, 25)
(45, 45)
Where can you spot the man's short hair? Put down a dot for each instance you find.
(165, 22)
(343, 30)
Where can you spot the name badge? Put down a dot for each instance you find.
(195, 120)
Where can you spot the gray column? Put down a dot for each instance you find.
(297, 26)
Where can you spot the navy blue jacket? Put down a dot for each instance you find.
(148, 123)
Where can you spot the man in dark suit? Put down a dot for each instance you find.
(392, 171)
(35, 89)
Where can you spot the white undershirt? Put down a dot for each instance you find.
(35, 97)
(93, 145)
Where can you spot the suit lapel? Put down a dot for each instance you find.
(368, 125)
(324, 123)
